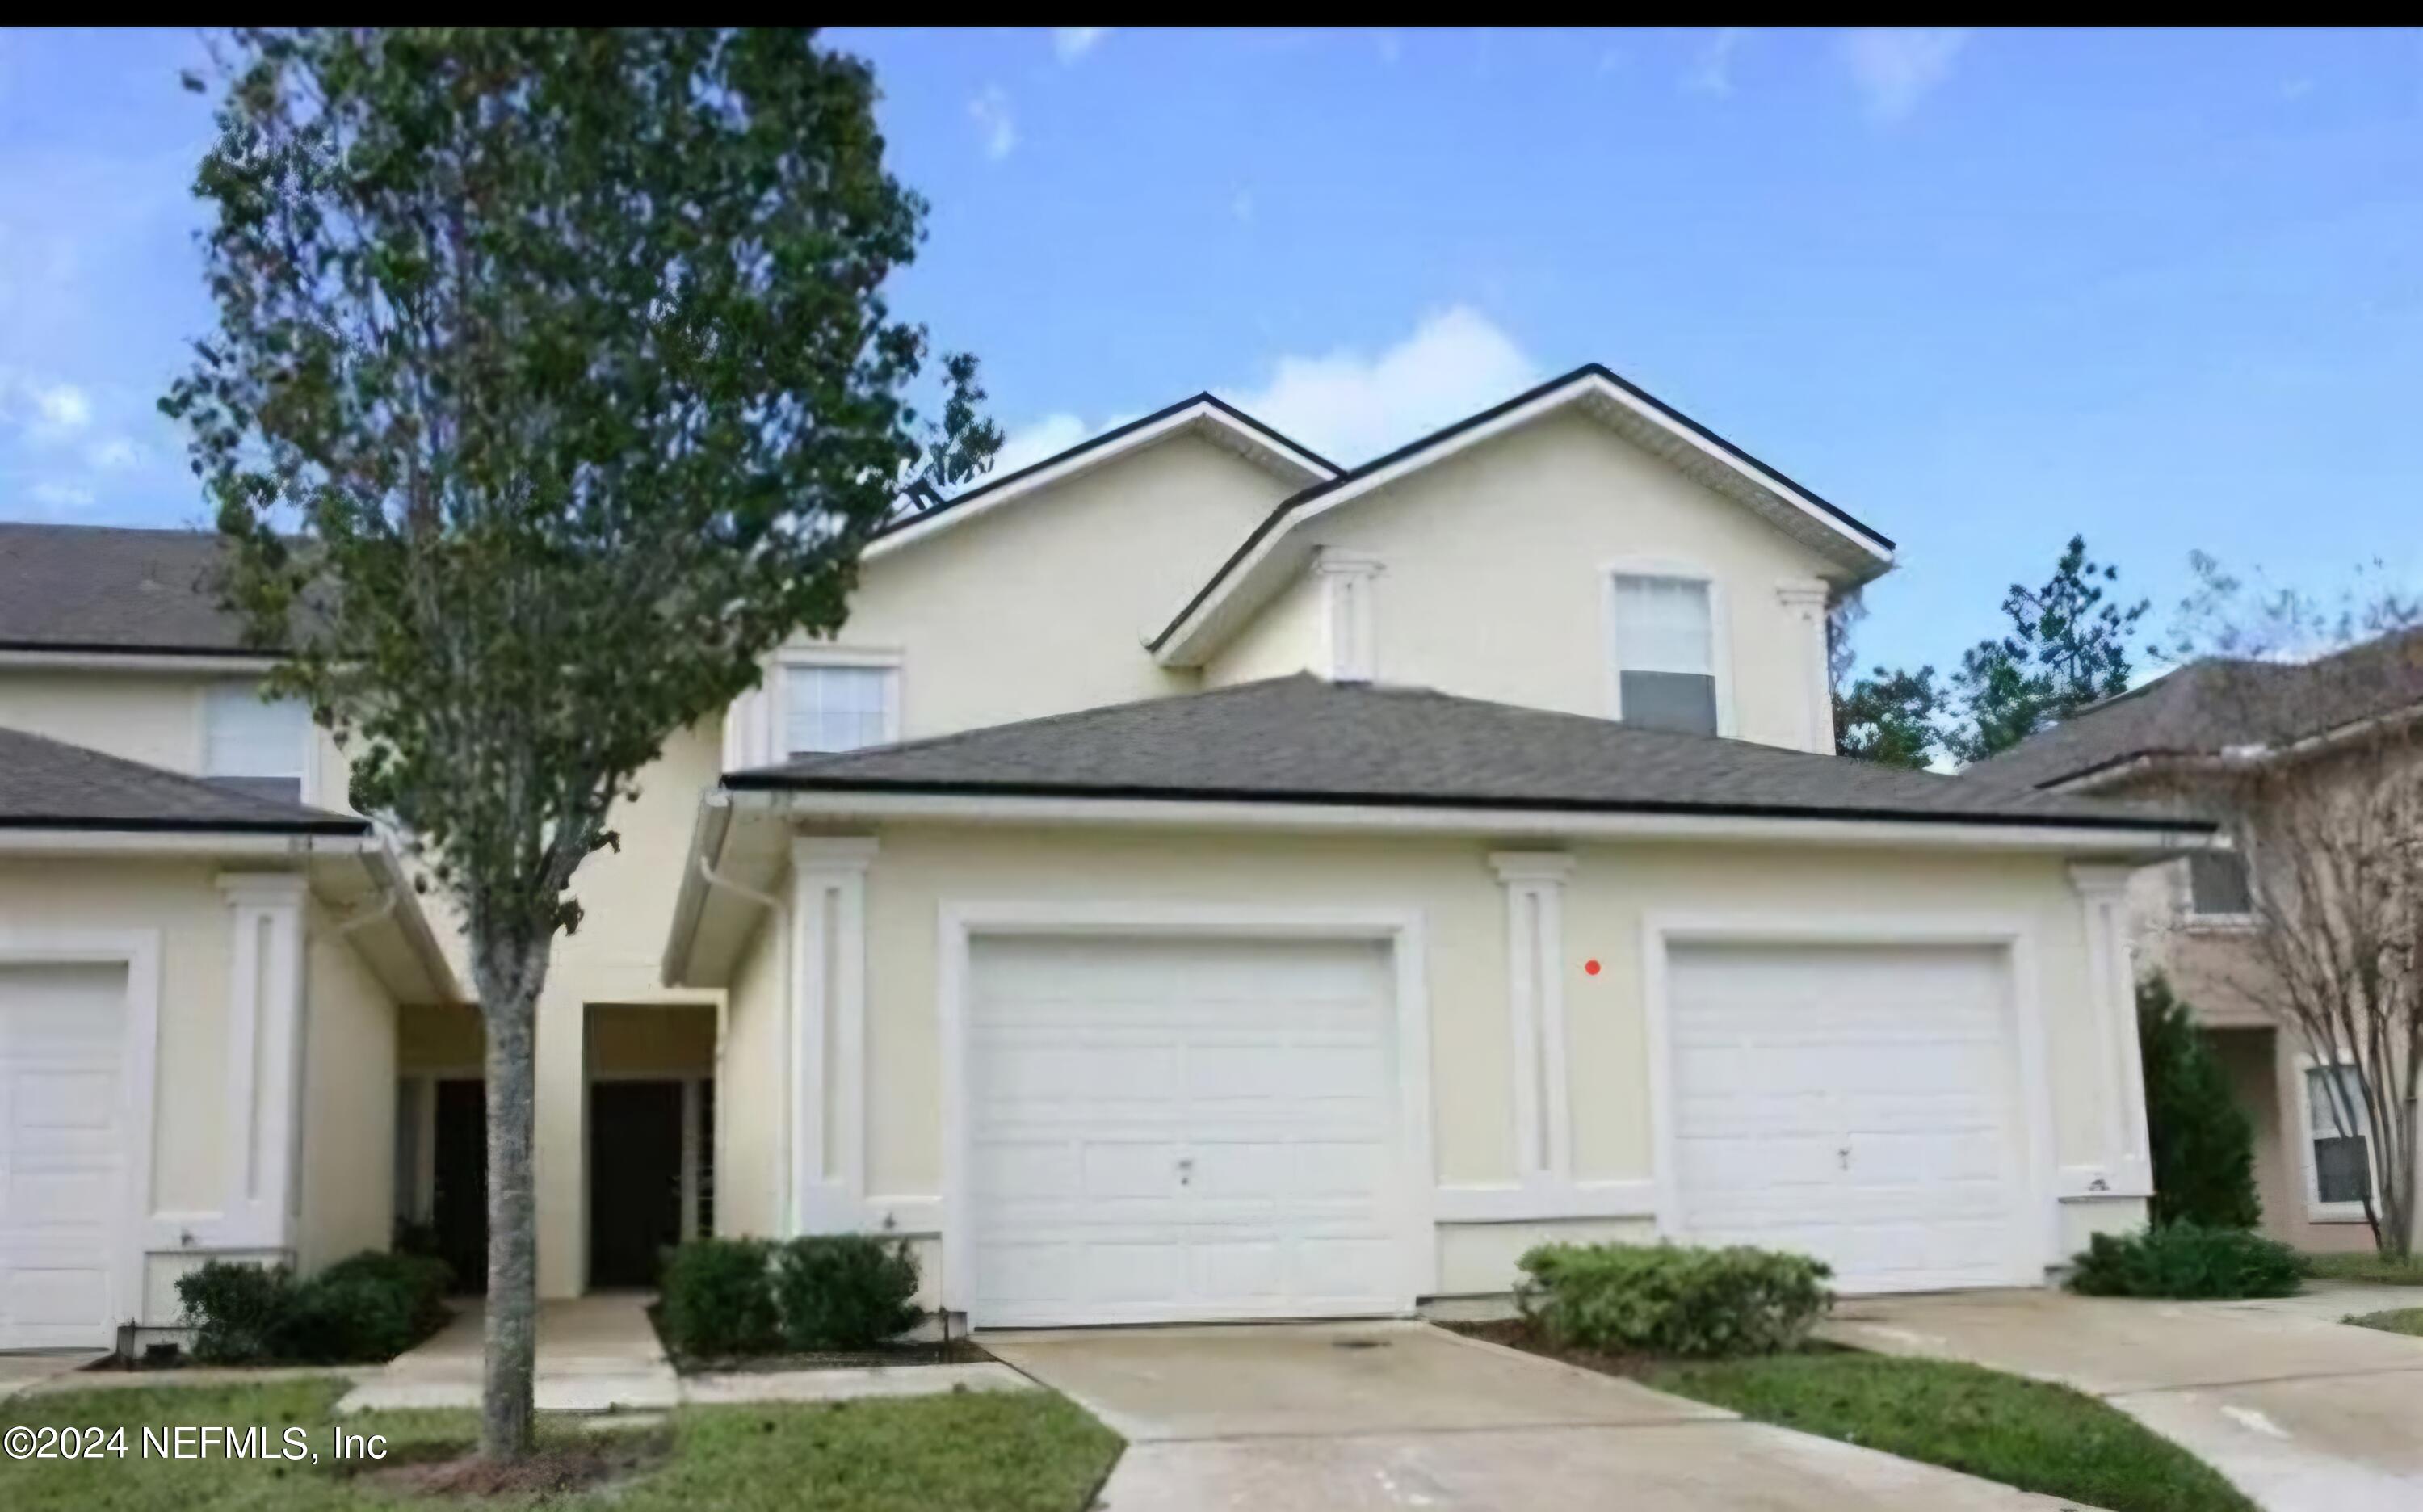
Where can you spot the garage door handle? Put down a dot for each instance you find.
(1186, 1171)
(1843, 1158)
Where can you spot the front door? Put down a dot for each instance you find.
(635, 1179)
(458, 1198)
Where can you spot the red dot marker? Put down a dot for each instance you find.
(1591, 966)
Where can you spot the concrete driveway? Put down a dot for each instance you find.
(1361, 1417)
(2300, 1410)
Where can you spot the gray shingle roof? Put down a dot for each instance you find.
(1302, 739)
(2211, 706)
(91, 588)
(47, 783)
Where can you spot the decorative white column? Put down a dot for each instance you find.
(265, 1032)
(2126, 1167)
(1535, 1005)
(1805, 601)
(1346, 585)
(828, 1032)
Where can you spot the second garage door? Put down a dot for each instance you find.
(1858, 1104)
(62, 1153)
(1182, 1129)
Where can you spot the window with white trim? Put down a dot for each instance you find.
(832, 707)
(2220, 885)
(255, 745)
(2339, 1149)
(1665, 653)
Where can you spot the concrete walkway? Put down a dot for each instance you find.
(2304, 1413)
(23, 1372)
(1362, 1417)
(600, 1354)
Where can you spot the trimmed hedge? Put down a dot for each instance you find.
(822, 1292)
(1672, 1299)
(364, 1308)
(2186, 1261)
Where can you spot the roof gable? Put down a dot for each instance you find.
(1206, 414)
(1277, 545)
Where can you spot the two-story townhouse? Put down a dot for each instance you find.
(1203, 882)
(2265, 745)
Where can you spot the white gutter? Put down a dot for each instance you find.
(2066, 839)
(199, 663)
(184, 843)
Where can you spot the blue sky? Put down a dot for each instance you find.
(1982, 289)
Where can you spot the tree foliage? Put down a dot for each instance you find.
(2203, 1141)
(553, 384)
(2067, 648)
(1887, 716)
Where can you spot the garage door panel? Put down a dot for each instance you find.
(1257, 1181)
(63, 1158)
(1858, 1104)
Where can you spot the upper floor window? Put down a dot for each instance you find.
(838, 707)
(1665, 653)
(260, 746)
(2219, 886)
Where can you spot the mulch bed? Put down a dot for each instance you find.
(958, 1350)
(1516, 1335)
(558, 1469)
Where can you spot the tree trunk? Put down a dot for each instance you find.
(509, 1000)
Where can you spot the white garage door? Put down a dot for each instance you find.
(1859, 1105)
(62, 1153)
(1170, 1130)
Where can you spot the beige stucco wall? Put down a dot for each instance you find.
(151, 716)
(1495, 565)
(1451, 886)
(1287, 635)
(751, 1110)
(349, 1054)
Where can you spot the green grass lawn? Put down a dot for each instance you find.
(962, 1452)
(2366, 1265)
(2397, 1320)
(2029, 1434)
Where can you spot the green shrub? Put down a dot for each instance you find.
(1672, 1299)
(2186, 1259)
(844, 1291)
(718, 1297)
(2203, 1145)
(367, 1308)
(236, 1309)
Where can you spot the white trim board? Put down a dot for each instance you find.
(138, 952)
(961, 922)
(2013, 934)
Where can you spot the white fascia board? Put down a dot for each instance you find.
(1273, 557)
(198, 664)
(2078, 840)
(182, 843)
(1086, 455)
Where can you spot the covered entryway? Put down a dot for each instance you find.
(63, 1152)
(651, 1137)
(1165, 1129)
(1858, 1102)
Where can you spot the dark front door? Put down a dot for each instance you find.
(458, 1205)
(635, 1169)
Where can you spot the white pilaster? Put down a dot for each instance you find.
(828, 1032)
(265, 1033)
(1804, 602)
(1535, 1005)
(2127, 1167)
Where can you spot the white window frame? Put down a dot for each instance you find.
(778, 724)
(2192, 918)
(2318, 1211)
(1720, 650)
(309, 774)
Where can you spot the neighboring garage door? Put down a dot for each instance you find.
(1170, 1130)
(62, 1153)
(1858, 1104)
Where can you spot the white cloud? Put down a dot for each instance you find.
(1351, 408)
(115, 454)
(1896, 67)
(1712, 71)
(1030, 444)
(995, 127)
(61, 496)
(1073, 42)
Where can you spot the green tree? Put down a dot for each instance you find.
(2067, 648)
(552, 385)
(1889, 716)
(2203, 1145)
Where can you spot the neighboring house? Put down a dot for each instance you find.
(1201, 882)
(2215, 737)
